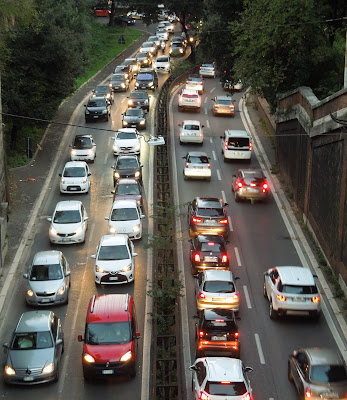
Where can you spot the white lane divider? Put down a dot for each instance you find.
(205, 111)
(123, 99)
(212, 90)
(214, 155)
(230, 225)
(105, 159)
(208, 124)
(218, 175)
(223, 196)
(237, 255)
(91, 231)
(211, 140)
(260, 350)
(248, 301)
(205, 101)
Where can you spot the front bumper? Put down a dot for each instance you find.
(107, 370)
(47, 299)
(62, 239)
(72, 189)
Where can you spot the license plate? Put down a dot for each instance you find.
(198, 167)
(45, 300)
(113, 278)
(72, 188)
(95, 116)
(211, 259)
(66, 240)
(126, 151)
(252, 190)
(301, 299)
(210, 222)
(28, 378)
(220, 338)
(107, 371)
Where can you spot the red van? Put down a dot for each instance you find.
(110, 337)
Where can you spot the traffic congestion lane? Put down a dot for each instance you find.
(258, 240)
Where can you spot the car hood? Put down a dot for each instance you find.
(110, 353)
(75, 181)
(46, 286)
(66, 228)
(126, 142)
(36, 358)
(124, 226)
(127, 171)
(132, 118)
(113, 265)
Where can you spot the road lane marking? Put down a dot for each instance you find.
(205, 101)
(212, 90)
(211, 140)
(91, 231)
(223, 196)
(248, 301)
(230, 225)
(205, 110)
(123, 99)
(214, 155)
(105, 159)
(218, 175)
(260, 350)
(208, 124)
(238, 259)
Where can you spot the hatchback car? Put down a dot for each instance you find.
(217, 289)
(114, 260)
(127, 167)
(147, 79)
(197, 166)
(83, 148)
(291, 290)
(177, 49)
(48, 279)
(34, 353)
(75, 177)
(208, 252)
(191, 131)
(236, 145)
(126, 141)
(104, 90)
(133, 63)
(118, 82)
(69, 223)
(128, 189)
(126, 70)
(318, 373)
(217, 334)
(134, 117)
(195, 82)
(162, 64)
(250, 184)
(220, 378)
(189, 100)
(208, 216)
(97, 108)
(223, 105)
(208, 69)
(139, 98)
(125, 218)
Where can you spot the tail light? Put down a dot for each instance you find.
(225, 382)
(226, 145)
(208, 165)
(224, 258)
(250, 146)
(315, 299)
(223, 221)
(281, 297)
(201, 333)
(196, 220)
(265, 187)
(308, 393)
(236, 296)
(196, 257)
(236, 334)
(216, 106)
(247, 397)
(213, 69)
(239, 184)
(232, 106)
(201, 295)
(187, 164)
(203, 396)
(219, 320)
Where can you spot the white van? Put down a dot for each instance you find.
(236, 145)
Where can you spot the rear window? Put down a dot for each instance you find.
(220, 326)
(127, 190)
(226, 389)
(219, 287)
(297, 289)
(191, 127)
(210, 212)
(198, 160)
(328, 373)
(238, 142)
(224, 102)
(211, 246)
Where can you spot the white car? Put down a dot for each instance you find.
(195, 82)
(68, 223)
(148, 47)
(208, 69)
(75, 177)
(191, 132)
(83, 148)
(197, 166)
(170, 27)
(220, 378)
(126, 141)
(125, 218)
(162, 34)
(189, 100)
(114, 260)
(162, 64)
(291, 290)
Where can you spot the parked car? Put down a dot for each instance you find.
(191, 131)
(189, 100)
(34, 353)
(139, 98)
(134, 117)
(250, 184)
(83, 148)
(223, 105)
(97, 108)
(103, 90)
(128, 188)
(126, 141)
(197, 166)
(75, 177)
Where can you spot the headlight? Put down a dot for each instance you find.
(61, 290)
(84, 180)
(136, 228)
(142, 122)
(108, 95)
(145, 61)
(181, 50)
(130, 102)
(115, 147)
(151, 83)
(122, 85)
(9, 370)
(73, 152)
(167, 66)
(63, 181)
(87, 357)
(99, 269)
(126, 356)
(136, 84)
(90, 152)
(125, 123)
(137, 147)
(117, 175)
(112, 229)
(137, 174)
(48, 368)
(127, 268)
(104, 111)
(52, 230)
(79, 230)
(135, 67)
(30, 293)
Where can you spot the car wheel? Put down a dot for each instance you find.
(185, 177)
(63, 347)
(273, 313)
(237, 197)
(290, 375)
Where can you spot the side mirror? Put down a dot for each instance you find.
(26, 276)
(86, 218)
(192, 368)
(60, 175)
(93, 256)
(80, 338)
(248, 369)
(89, 173)
(107, 218)
(67, 273)
(138, 335)
(202, 126)
(142, 216)
(134, 254)
(59, 341)
(6, 345)
(49, 219)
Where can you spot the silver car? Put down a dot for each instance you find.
(48, 279)
(34, 353)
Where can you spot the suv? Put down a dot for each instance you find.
(126, 141)
(208, 216)
(147, 79)
(216, 333)
(250, 184)
(97, 108)
(208, 69)
(220, 378)
(83, 148)
(236, 145)
(139, 98)
(195, 82)
(110, 335)
(189, 100)
(291, 290)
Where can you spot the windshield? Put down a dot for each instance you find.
(125, 163)
(328, 373)
(163, 59)
(67, 217)
(226, 389)
(131, 112)
(138, 95)
(32, 340)
(74, 172)
(219, 287)
(144, 77)
(96, 103)
(101, 89)
(195, 79)
(124, 214)
(126, 135)
(108, 333)
(82, 143)
(51, 272)
(127, 189)
(118, 252)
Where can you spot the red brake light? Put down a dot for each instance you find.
(195, 220)
(250, 146)
(201, 333)
(315, 299)
(196, 257)
(209, 165)
(226, 145)
(239, 184)
(247, 397)
(223, 221)
(219, 320)
(200, 67)
(201, 295)
(265, 186)
(203, 396)
(236, 334)
(187, 164)
(236, 296)
(224, 258)
(308, 392)
(210, 244)
(281, 297)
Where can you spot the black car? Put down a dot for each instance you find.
(217, 334)
(133, 64)
(139, 98)
(104, 90)
(134, 118)
(119, 82)
(208, 251)
(126, 70)
(97, 108)
(144, 59)
(208, 216)
(127, 167)
(147, 79)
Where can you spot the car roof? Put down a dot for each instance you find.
(75, 164)
(191, 122)
(129, 203)
(220, 313)
(109, 308)
(189, 91)
(115, 239)
(218, 275)
(68, 205)
(82, 136)
(290, 275)
(237, 133)
(210, 238)
(35, 321)
(224, 369)
(197, 154)
(257, 173)
(47, 257)
(224, 98)
(323, 356)
(127, 181)
(209, 202)
(122, 156)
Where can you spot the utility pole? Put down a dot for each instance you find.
(345, 71)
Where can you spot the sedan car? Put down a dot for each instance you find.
(97, 108)
(75, 177)
(154, 39)
(223, 105)
(208, 252)
(318, 373)
(127, 167)
(217, 289)
(217, 334)
(191, 132)
(69, 223)
(128, 189)
(220, 378)
(118, 82)
(125, 218)
(83, 148)
(126, 141)
(34, 352)
(148, 47)
(162, 64)
(139, 98)
(104, 90)
(197, 166)
(195, 82)
(162, 34)
(208, 216)
(144, 59)
(189, 100)
(134, 117)
(250, 184)
(114, 260)
(208, 69)
(147, 79)
(177, 49)
(48, 279)
(126, 70)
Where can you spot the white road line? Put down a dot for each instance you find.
(218, 175)
(230, 225)
(109, 141)
(206, 111)
(214, 155)
(208, 124)
(123, 99)
(248, 301)
(223, 196)
(205, 101)
(91, 232)
(260, 350)
(237, 255)
(105, 159)
(212, 90)
(211, 140)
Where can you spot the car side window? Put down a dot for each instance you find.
(200, 372)
(302, 361)
(274, 276)
(54, 327)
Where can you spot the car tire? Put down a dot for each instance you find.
(290, 375)
(273, 313)
(224, 158)
(63, 348)
(237, 197)
(185, 177)
(86, 377)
